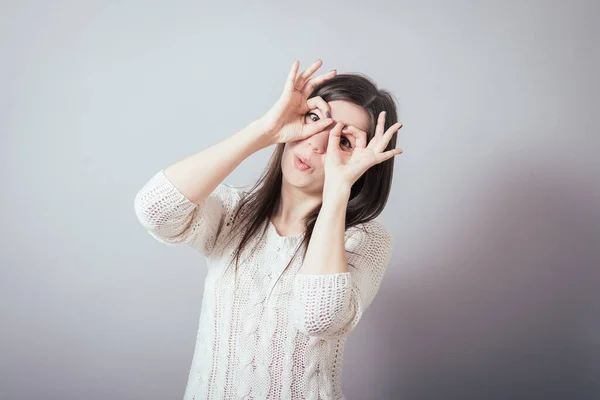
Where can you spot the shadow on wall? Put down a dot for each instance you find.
(507, 311)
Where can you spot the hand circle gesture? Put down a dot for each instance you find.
(345, 168)
(284, 122)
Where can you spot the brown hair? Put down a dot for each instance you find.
(368, 195)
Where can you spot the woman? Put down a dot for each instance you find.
(274, 325)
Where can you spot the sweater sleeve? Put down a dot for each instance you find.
(172, 218)
(332, 304)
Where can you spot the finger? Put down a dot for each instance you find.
(316, 81)
(380, 123)
(360, 136)
(381, 144)
(322, 105)
(335, 134)
(318, 126)
(291, 78)
(307, 73)
(386, 155)
(391, 131)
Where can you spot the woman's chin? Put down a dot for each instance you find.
(299, 181)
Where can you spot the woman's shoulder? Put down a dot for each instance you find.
(370, 227)
(366, 235)
(229, 196)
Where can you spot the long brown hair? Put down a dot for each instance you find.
(368, 195)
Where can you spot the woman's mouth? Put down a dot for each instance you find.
(300, 165)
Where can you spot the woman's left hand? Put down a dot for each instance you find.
(346, 167)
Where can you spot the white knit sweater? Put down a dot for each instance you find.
(279, 334)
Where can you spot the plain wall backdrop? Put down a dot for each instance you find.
(493, 288)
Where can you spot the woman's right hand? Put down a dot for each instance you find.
(284, 122)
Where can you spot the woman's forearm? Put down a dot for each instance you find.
(326, 252)
(196, 176)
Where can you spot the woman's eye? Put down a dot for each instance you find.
(344, 138)
(310, 114)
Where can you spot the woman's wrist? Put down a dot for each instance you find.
(260, 135)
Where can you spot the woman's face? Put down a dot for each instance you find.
(314, 148)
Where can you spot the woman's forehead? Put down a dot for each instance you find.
(350, 113)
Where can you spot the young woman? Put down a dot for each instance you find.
(274, 325)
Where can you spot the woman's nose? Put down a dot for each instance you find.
(319, 141)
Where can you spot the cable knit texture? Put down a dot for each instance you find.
(277, 334)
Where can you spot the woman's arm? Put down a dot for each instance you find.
(326, 253)
(329, 302)
(198, 175)
(188, 203)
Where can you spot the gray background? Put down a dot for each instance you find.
(492, 291)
